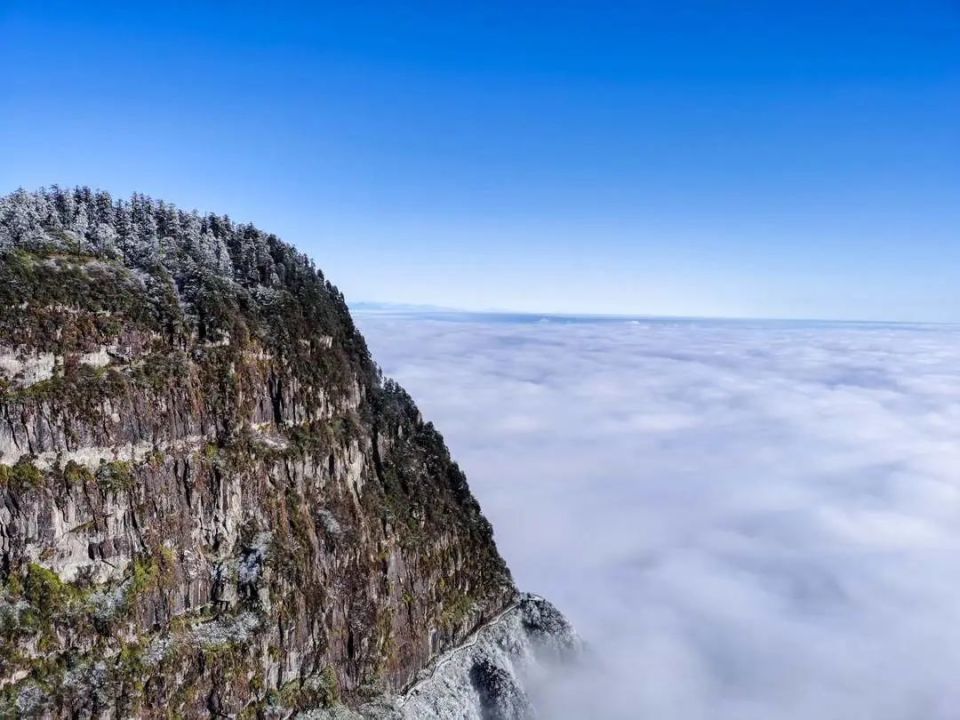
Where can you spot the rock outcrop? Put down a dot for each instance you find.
(489, 676)
(211, 503)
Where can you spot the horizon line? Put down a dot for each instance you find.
(372, 307)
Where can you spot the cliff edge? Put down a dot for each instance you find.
(211, 502)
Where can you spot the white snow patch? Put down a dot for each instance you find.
(26, 369)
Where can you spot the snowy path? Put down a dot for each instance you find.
(474, 637)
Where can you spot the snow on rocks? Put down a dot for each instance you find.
(487, 677)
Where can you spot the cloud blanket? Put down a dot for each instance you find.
(746, 521)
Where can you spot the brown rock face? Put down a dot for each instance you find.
(210, 501)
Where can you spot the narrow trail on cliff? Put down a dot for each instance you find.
(444, 659)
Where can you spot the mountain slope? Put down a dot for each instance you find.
(212, 503)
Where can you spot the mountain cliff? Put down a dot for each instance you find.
(211, 502)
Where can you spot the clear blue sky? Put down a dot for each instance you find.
(786, 159)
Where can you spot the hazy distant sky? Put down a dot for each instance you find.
(717, 158)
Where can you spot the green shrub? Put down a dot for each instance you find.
(45, 591)
(76, 474)
(116, 475)
(23, 475)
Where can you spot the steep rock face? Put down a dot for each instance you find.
(210, 501)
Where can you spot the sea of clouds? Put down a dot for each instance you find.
(745, 521)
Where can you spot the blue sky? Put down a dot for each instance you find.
(734, 159)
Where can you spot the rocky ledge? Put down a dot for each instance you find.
(488, 677)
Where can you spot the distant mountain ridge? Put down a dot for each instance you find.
(388, 307)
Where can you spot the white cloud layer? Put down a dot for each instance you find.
(747, 521)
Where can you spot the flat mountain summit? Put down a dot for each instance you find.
(213, 504)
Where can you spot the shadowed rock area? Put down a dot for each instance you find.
(212, 502)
